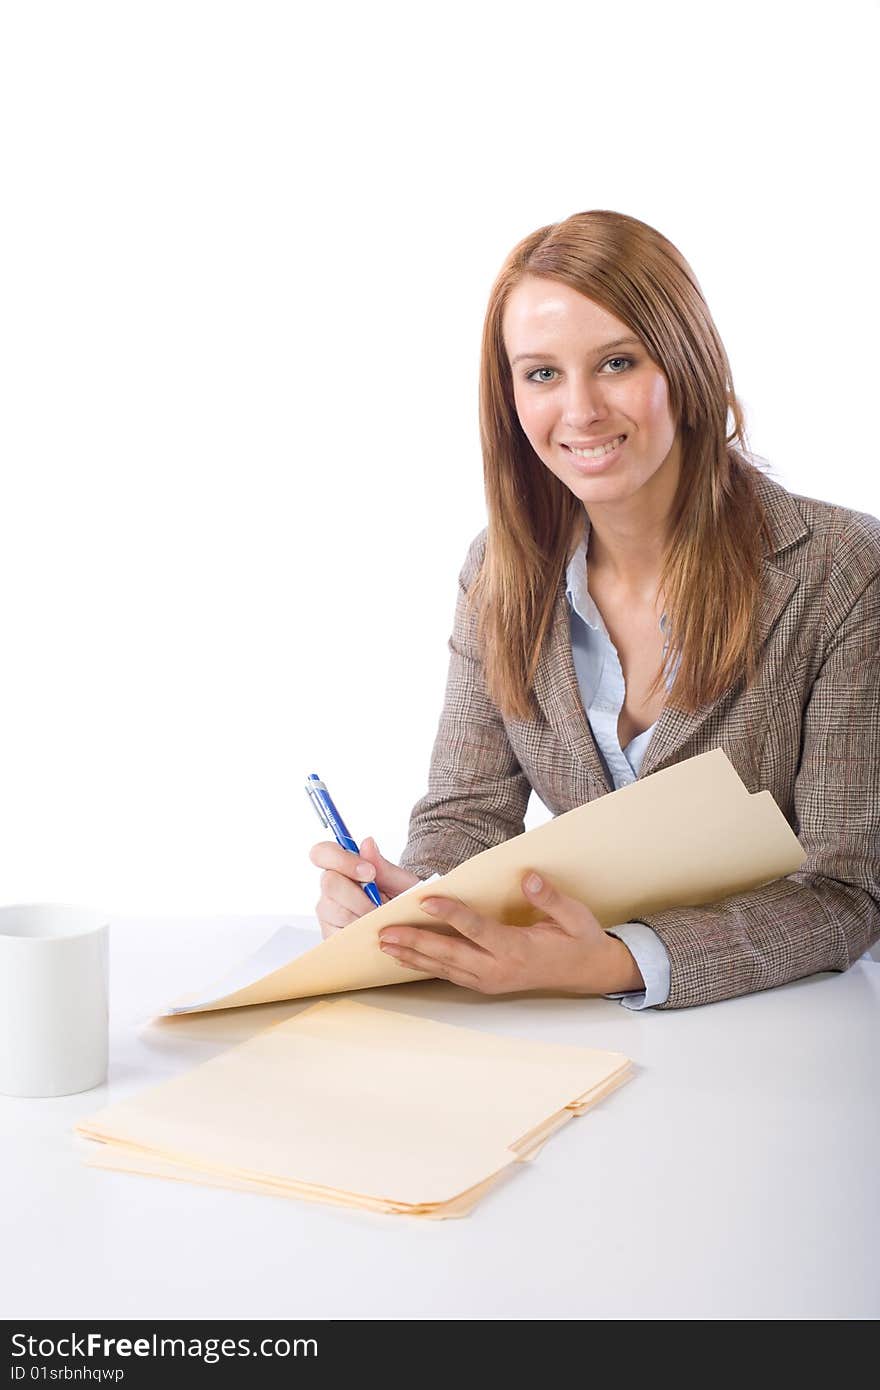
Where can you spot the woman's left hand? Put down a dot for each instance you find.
(568, 951)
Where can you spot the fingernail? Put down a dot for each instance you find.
(430, 905)
(534, 883)
(389, 940)
(365, 872)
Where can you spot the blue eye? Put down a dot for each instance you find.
(533, 374)
(627, 360)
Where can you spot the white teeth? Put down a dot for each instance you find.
(597, 453)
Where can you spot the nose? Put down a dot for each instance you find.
(584, 402)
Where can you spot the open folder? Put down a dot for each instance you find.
(359, 1107)
(687, 835)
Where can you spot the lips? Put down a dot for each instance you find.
(593, 464)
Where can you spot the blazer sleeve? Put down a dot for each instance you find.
(477, 792)
(828, 913)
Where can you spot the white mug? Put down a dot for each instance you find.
(54, 1000)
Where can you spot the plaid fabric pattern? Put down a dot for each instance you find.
(808, 730)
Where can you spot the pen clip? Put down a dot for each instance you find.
(315, 800)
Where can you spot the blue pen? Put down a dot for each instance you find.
(332, 820)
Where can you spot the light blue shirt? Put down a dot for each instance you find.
(603, 690)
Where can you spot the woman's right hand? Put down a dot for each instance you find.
(342, 898)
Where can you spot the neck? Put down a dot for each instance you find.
(628, 538)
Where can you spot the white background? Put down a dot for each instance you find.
(246, 250)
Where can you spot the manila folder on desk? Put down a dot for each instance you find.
(687, 835)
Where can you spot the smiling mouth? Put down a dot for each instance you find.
(599, 450)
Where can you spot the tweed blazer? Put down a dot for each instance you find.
(807, 729)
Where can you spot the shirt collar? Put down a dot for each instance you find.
(576, 587)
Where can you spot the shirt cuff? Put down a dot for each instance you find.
(652, 958)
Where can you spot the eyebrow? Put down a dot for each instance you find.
(597, 352)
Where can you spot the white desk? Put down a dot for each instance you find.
(733, 1177)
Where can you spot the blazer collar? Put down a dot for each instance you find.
(556, 687)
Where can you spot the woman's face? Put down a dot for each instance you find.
(581, 379)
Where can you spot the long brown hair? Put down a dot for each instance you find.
(712, 566)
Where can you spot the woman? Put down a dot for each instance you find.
(642, 594)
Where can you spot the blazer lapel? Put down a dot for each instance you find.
(674, 728)
(558, 693)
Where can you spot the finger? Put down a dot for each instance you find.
(570, 914)
(339, 889)
(443, 970)
(390, 878)
(482, 931)
(328, 855)
(333, 914)
(442, 950)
